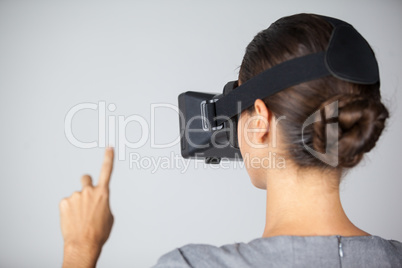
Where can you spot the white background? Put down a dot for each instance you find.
(57, 54)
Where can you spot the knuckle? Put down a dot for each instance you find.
(76, 194)
(103, 193)
(87, 190)
(63, 203)
(107, 164)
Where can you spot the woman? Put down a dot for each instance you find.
(305, 222)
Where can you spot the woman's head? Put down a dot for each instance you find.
(361, 114)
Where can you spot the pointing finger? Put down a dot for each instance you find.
(107, 168)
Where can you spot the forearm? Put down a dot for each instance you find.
(80, 256)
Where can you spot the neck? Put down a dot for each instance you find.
(305, 203)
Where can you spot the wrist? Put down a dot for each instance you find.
(80, 255)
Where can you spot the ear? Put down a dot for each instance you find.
(262, 121)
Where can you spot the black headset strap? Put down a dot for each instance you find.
(271, 81)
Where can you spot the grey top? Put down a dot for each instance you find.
(290, 251)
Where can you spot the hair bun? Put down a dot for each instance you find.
(361, 121)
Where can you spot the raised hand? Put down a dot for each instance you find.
(86, 219)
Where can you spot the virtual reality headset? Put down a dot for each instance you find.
(208, 121)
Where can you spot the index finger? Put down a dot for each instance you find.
(107, 167)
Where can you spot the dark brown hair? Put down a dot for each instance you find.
(361, 114)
